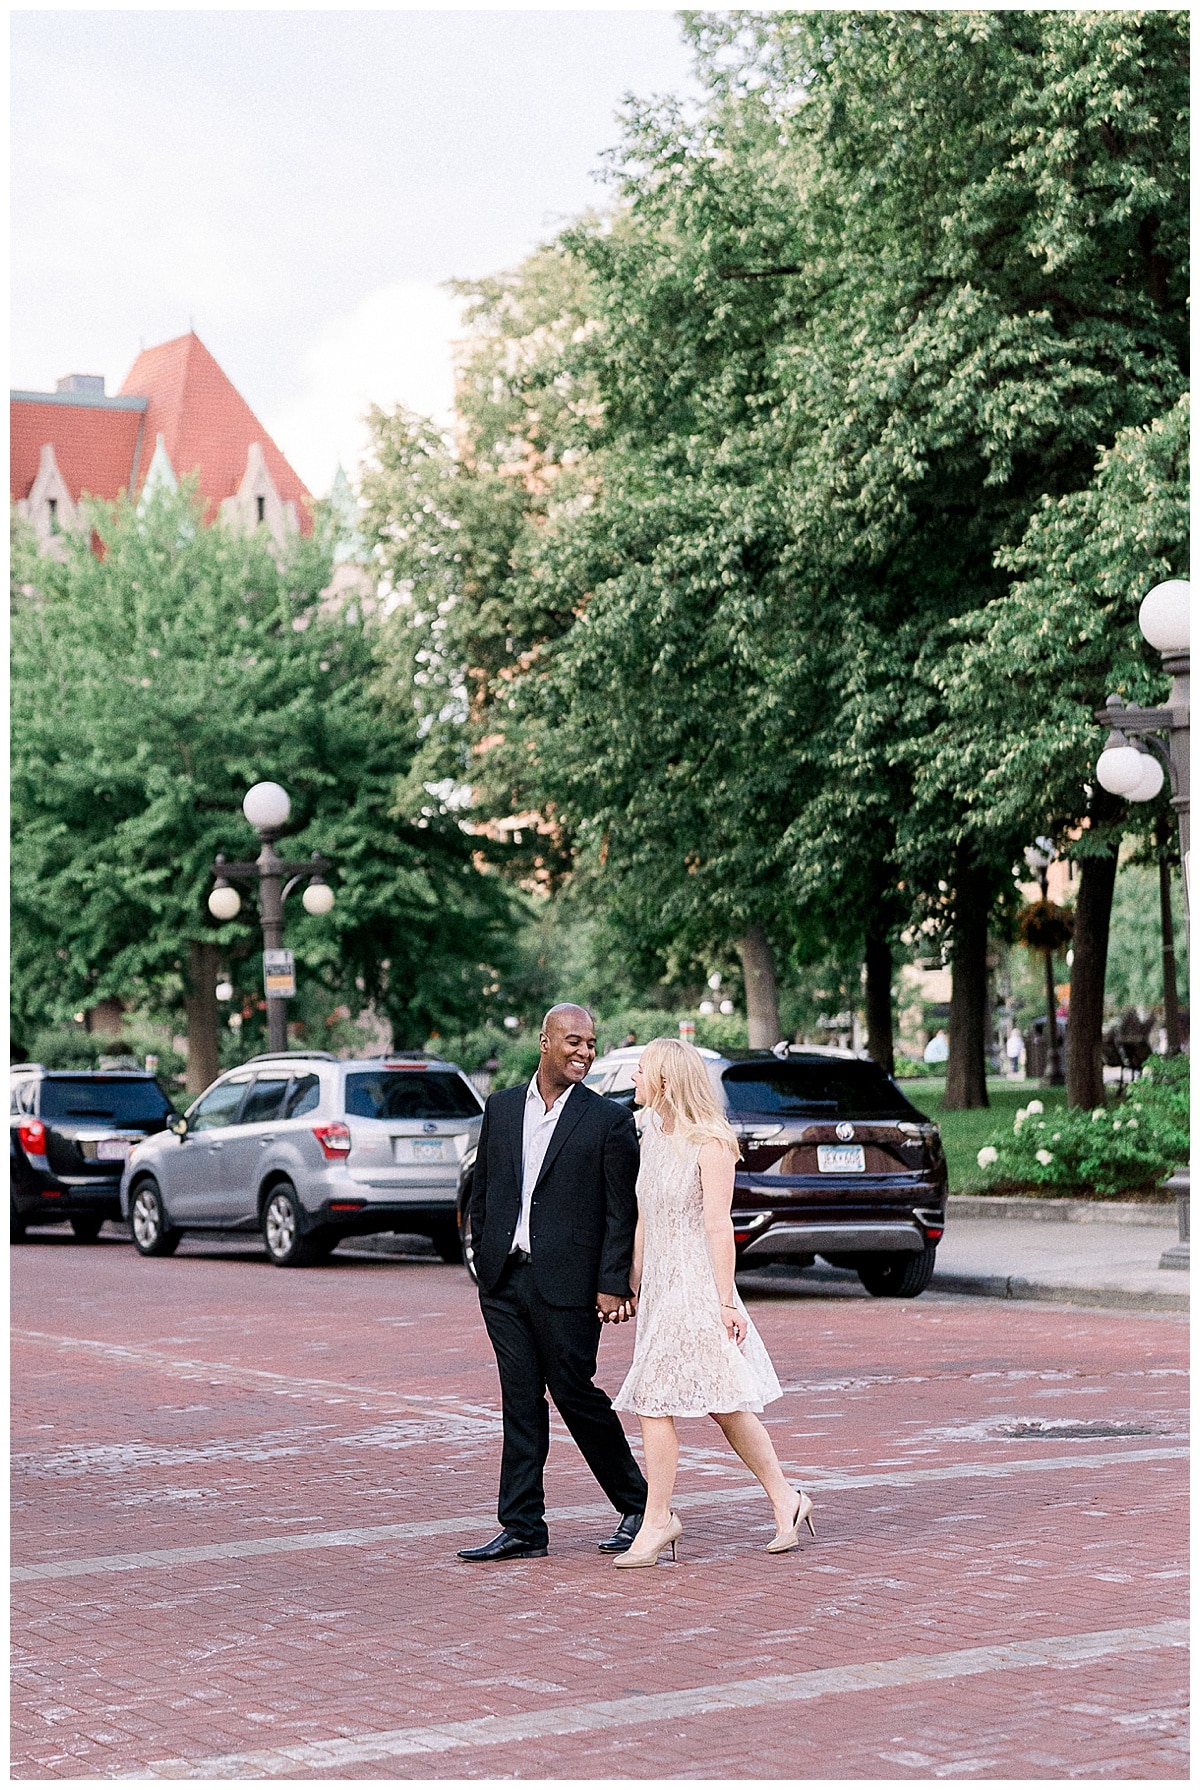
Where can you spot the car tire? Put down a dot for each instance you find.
(447, 1242)
(285, 1243)
(16, 1223)
(87, 1228)
(899, 1276)
(148, 1224)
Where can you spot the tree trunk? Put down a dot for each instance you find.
(1085, 1024)
(966, 1070)
(762, 999)
(1170, 986)
(203, 1060)
(880, 1039)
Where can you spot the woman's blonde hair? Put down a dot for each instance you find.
(676, 1086)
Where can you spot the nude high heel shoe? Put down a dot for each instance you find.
(790, 1538)
(648, 1547)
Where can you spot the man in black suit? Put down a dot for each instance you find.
(553, 1212)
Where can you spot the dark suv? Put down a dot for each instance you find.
(835, 1162)
(70, 1132)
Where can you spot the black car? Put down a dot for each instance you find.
(70, 1132)
(835, 1163)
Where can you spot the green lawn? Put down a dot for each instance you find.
(964, 1134)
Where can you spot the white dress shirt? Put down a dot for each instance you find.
(536, 1133)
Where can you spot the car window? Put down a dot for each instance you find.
(219, 1106)
(265, 1099)
(815, 1090)
(406, 1094)
(596, 1080)
(22, 1097)
(305, 1096)
(104, 1099)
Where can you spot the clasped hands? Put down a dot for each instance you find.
(613, 1309)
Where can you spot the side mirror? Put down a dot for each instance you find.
(179, 1126)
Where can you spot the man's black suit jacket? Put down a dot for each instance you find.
(584, 1209)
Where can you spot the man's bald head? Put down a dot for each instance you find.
(567, 1013)
(568, 1044)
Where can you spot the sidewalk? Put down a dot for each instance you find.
(1062, 1250)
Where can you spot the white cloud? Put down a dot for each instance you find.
(394, 347)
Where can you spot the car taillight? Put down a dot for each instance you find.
(32, 1134)
(334, 1140)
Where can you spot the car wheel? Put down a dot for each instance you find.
(285, 1243)
(16, 1224)
(87, 1228)
(152, 1235)
(448, 1243)
(900, 1276)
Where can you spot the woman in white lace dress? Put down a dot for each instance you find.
(697, 1353)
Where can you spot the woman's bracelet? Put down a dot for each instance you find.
(725, 1307)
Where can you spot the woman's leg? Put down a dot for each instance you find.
(749, 1438)
(660, 1448)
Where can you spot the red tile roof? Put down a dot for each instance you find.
(105, 445)
(94, 444)
(206, 425)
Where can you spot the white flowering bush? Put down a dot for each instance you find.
(1109, 1151)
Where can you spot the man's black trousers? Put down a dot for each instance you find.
(542, 1348)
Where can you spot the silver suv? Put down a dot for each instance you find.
(308, 1149)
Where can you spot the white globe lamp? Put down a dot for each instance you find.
(224, 902)
(1119, 769)
(1165, 616)
(317, 898)
(1151, 779)
(224, 991)
(267, 807)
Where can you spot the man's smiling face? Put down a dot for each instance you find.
(568, 1046)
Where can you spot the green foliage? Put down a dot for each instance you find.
(720, 584)
(151, 685)
(1134, 976)
(964, 1132)
(1108, 1151)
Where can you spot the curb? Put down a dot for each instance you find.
(1032, 1210)
(1016, 1286)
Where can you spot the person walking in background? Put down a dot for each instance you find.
(552, 1214)
(697, 1353)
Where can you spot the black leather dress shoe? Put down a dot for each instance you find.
(622, 1536)
(506, 1546)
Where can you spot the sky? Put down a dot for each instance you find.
(297, 186)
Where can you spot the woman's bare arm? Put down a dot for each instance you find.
(716, 1186)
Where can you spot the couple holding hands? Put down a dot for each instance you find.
(573, 1227)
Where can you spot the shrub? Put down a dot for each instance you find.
(1109, 1151)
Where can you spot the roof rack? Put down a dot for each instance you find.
(14, 1068)
(276, 1056)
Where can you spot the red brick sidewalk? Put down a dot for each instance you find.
(994, 1592)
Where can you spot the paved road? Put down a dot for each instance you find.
(238, 1492)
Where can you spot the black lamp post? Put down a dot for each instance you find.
(1130, 771)
(267, 808)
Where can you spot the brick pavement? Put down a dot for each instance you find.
(1000, 1513)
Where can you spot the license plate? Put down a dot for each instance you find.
(113, 1149)
(841, 1159)
(429, 1150)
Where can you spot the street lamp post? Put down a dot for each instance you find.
(1135, 771)
(267, 808)
(1130, 771)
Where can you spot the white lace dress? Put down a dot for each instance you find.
(684, 1364)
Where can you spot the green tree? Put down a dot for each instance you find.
(1019, 747)
(152, 682)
